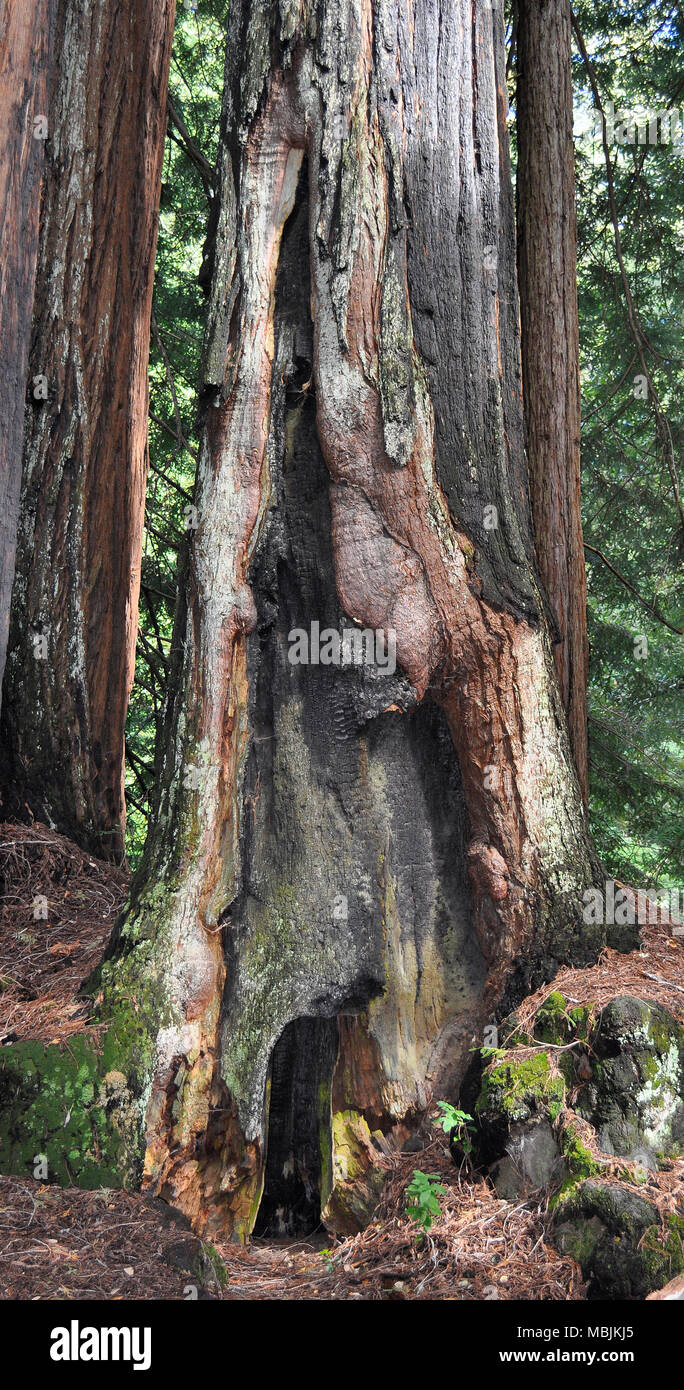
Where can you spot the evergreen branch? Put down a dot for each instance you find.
(650, 608)
(641, 341)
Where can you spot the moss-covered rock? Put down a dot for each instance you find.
(579, 1159)
(559, 1022)
(635, 1096)
(618, 1239)
(69, 1112)
(518, 1091)
(520, 1086)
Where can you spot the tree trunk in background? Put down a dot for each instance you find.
(85, 452)
(25, 32)
(547, 269)
(350, 870)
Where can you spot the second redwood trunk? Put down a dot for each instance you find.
(74, 607)
(547, 269)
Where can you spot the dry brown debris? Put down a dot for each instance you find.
(62, 1243)
(43, 962)
(655, 972)
(481, 1248)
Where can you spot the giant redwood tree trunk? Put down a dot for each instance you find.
(547, 267)
(85, 461)
(25, 33)
(350, 871)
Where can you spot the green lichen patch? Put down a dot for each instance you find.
(635, 1096)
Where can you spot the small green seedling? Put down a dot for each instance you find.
(422, 1199)
(456, 1124)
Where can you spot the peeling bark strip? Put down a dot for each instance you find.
(547, 267)
(327, 850)
(25, 32)
(85, 451)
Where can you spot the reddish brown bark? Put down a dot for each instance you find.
(363, 426)
(547, 268)
(85, 453)
(25, 30)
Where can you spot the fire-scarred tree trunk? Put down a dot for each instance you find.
(547, 268)
(25, 33)
(350, 870)
(85, 457)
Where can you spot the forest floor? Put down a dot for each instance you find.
(64, 1243)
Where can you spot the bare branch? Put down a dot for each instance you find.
(191, 149)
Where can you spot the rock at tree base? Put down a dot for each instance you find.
(533, 1160)
(635, 1098)
(618, 1240)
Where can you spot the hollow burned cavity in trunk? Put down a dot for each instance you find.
(299, 1137)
